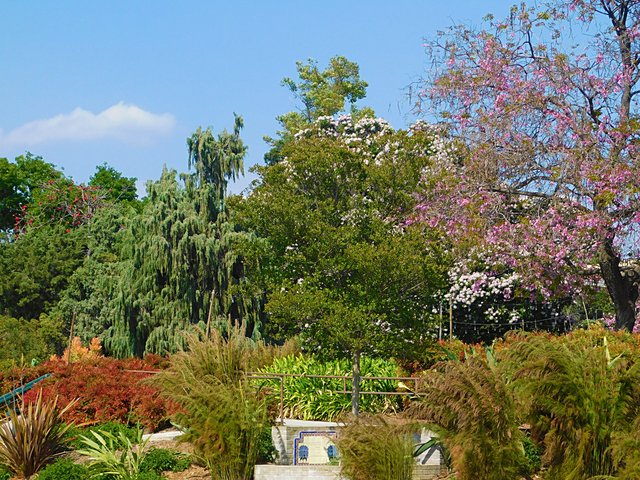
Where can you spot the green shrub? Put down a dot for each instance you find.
(162, 460)
(579, 399)
(64, 470)
(149, 476)
(532, 452)
(266, 450)
(371, 448)
(315, 398)
(113, 428)
(108, 460)
(4, 474)
(473, 412)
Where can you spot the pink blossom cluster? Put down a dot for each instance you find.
(550, 174)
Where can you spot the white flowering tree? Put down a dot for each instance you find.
(339, 270)
(487, 303)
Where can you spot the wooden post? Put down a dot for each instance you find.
(450, 320)
(355, 388)
(282, 399)
(73, 321)
(213, 295)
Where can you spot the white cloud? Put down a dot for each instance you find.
(123, 122)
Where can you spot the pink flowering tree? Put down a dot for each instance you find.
(542, 108)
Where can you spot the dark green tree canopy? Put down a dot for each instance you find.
(118, 187)
(338, 268)
(18, 181)
(180, 265)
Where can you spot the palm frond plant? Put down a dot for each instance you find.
(114, 455)
(371, 447)
(223, 413)
(578, 400)
(472, 410)
(31, 439)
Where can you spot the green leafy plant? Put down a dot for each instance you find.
(149, 476)
(75, 433)
(370, 447)
(64, 469)
(266, 450)
(162, 460)
(533, 453)
(316, 398)
(224, 414)
(33, 437)
(107, 459)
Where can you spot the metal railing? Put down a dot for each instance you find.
(345, 378)
(281, 377)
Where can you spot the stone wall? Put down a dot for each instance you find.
(292, 432)
(326, 472)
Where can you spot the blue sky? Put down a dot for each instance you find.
(125, 82)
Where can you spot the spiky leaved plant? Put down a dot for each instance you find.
(579, 401)
(371, 447)
(469, 405)
(223, 413)
(34, 437)
(115, 456)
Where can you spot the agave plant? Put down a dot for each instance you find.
(116, 456)
(34, 437)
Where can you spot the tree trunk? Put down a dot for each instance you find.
(355, 390)
(622, 290)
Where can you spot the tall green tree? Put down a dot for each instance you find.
(36, 269)
(339, 269)
(90, 294)
(321, 93)
(180, 265)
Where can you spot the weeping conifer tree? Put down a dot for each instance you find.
(183, 268)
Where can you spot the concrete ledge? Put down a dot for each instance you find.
(298, 472)
(326, 472)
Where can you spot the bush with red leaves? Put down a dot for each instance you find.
(107, 390)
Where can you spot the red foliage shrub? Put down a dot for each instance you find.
(107, 390)
(15, 377)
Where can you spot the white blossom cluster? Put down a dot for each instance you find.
(442, 151)
(476, 289)
(371, 137)
(363, 136)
